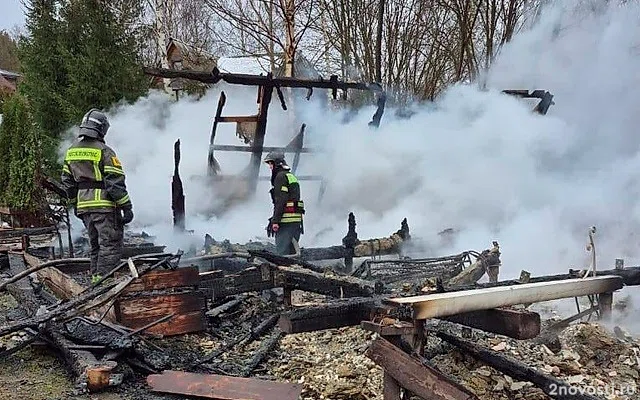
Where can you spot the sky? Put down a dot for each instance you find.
(12, 14)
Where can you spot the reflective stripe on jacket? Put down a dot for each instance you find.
(287, 206)
(93, 177)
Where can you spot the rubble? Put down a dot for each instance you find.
(330, 364)
(590, 356)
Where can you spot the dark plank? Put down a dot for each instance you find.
(153, 307)
(157, 280)
(518, 324)
(422, 380)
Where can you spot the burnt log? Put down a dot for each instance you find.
(551, 386)
(350, 312)
(488, 262)
(286, 261)
(225, 307)
(518, 324)
(296, 278)
(263, 351)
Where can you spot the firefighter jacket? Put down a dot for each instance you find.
(93, 177)
(285, 195)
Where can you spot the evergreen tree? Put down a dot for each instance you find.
(43, 67)
(101, 54)
(19, 133)
(7, 127)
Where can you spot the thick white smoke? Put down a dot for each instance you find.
(479, 162)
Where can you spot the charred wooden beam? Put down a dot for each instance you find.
(518, 324)
(363, 248)
(446, 304)
(225, 307)
(177, 191)
(222, 387)
(286, 261)
(488, 262)
(422, 380)
(552, 387)
(350, 312)
(212, 164)
(259, 80)
(263, 351)
(350, 241)
(297, 278)
(247, 149)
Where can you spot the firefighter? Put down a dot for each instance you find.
(286, 221)
(94, 181)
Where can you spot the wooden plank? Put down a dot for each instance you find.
(390, 388)
(242, 118)
(422, 380)
(518, 324)
(248, 149)
(445, 304)
(222, 387)
(326, 316)
(149, 308)
(61, 284)
(180, 324)
(166, 279)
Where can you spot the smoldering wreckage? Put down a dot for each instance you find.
(358, 320)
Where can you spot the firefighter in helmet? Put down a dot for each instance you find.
(94, 181)
(288, 208)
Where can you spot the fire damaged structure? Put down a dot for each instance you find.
(212, 323)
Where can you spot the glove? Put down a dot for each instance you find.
(127, 215)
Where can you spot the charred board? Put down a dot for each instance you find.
(327, 316)
(422, 380)
(158, 294)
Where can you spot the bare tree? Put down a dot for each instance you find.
(265, 26)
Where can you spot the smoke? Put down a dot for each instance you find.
(479, 162)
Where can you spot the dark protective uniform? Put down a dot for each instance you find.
(94, 181)
(287, 209)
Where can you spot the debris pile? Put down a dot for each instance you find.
(329, 364)
(240, 317)
(591, 357)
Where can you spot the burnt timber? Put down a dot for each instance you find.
(422, 380)
(266, 85)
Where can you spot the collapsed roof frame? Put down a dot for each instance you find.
(266, 85)
(546, 98)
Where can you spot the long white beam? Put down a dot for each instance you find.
(452, 303)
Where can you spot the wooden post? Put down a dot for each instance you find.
(605, 301)
(391, 388)
(177, 192)
(266, 92)
(418, 336)
(287, 296)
